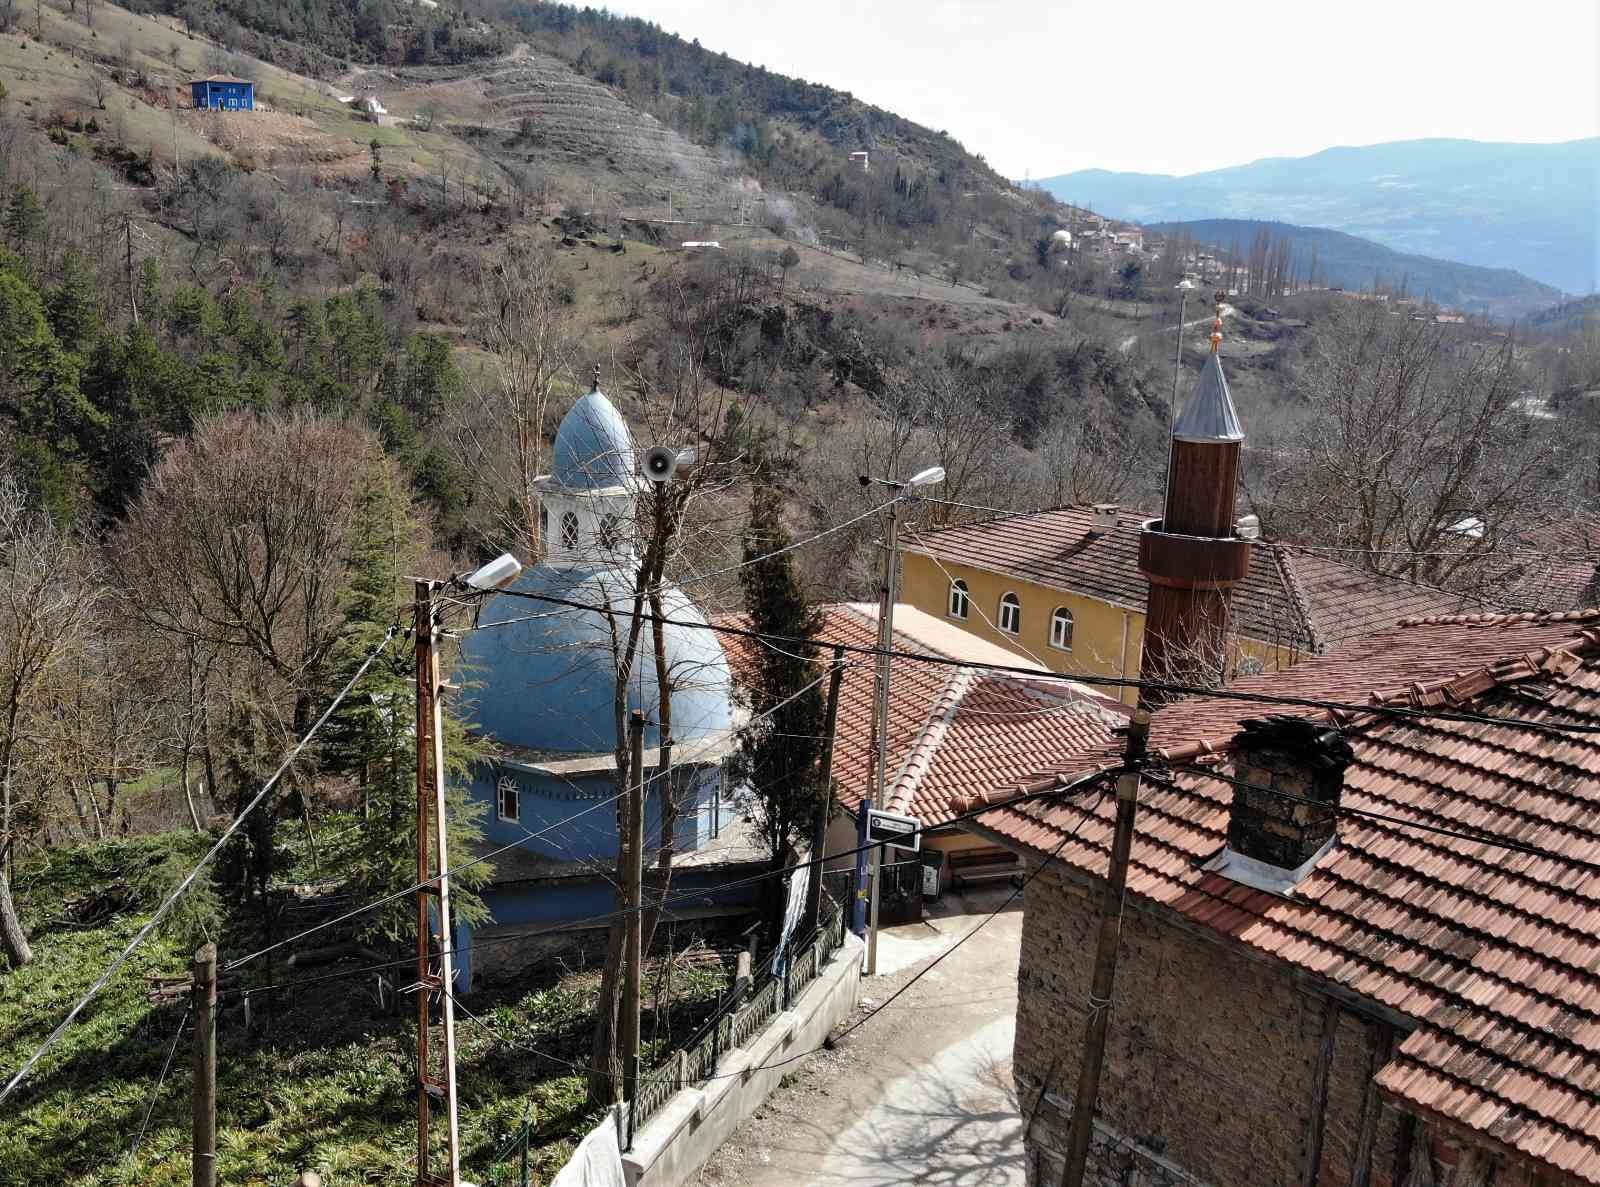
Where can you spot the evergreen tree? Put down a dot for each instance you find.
(372, 739)
(777, 758)
(74, 305)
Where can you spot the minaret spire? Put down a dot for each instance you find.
(1190, 555)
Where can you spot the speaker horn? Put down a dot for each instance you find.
(660, 463)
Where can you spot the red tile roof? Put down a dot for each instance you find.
(954, 731)
(1495, 954)
(1290, 598)
(1555, 567)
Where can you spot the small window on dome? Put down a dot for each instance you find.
(544, 525)
(610, 532)
(569, 530)
(508, 798)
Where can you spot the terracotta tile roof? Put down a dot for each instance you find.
(1290, 597)
(954, 731)
(1494, 954)
(1556, 567)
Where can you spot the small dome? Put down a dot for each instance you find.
(546, 684)
(1062, 237)
(594, 449)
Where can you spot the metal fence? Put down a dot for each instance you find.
(741, 1015)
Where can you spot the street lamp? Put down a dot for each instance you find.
(931, 476)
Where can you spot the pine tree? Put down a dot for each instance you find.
(372, 740)
(777, 758)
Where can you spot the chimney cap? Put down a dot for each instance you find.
(1209, 416)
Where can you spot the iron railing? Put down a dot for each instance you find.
(742, 1014)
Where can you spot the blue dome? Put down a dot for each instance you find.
(594, 449)
(547, 684)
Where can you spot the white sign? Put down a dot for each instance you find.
(891, 828)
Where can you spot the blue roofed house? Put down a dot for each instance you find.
(540, 688)
(223, 92)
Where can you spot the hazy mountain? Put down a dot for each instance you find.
(1348, 261)
(1531, 207)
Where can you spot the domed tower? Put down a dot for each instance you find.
(1190, 556)
(586, 516)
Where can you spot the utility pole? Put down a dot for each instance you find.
(204, 1007)
(133, 289)
(632, 900)
(433, 883)
(819, 830)
(1105, 957)
(880, 720)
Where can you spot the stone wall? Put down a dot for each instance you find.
(1212, 1057)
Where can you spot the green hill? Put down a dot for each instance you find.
(1348, 261)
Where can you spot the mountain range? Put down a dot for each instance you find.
(1534, 208)
(1348, 261)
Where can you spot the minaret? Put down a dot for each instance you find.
(1190, 555)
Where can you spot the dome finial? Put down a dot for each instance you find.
(1216, 326)
(596, 386)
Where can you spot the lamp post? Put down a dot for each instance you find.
(932, 476)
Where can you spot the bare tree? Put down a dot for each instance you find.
(50, 589)
(500, 427)
(239, 542)
(1414, 450)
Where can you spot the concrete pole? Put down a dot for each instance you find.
(632, 899)
(1105, 958)
(204, 997)
(819, 830)
(880, 717)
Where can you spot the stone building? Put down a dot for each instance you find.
(1398, 1006)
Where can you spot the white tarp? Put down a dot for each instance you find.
(597, 1162)
(799, 882)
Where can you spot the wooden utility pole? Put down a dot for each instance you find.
(819, 829)
(632, 901)
(433, 906)
(204, 999)
(1105, 957)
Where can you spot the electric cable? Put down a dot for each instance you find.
(1219, 693)
(832, 1040)
(678, 761)
(144, 932)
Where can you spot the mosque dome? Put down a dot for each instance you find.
(546, 684)
(594, 449)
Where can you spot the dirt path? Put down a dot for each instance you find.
(1126, 344)
(920, 1094)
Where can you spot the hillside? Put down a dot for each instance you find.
(1348, 261)
(1569, 316)
(1528, 207)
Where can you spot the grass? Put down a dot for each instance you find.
(322, 1079)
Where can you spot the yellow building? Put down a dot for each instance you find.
(1063, 587)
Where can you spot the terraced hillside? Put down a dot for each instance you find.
(538, 111)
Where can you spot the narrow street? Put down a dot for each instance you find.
(920, 1094)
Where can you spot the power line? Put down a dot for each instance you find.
(1220, 693)
(674, 897)
(831, 1040)
(389, 898)
(155, 1092)
(144, 932)
(1476, 838)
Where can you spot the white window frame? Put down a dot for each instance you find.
(570, 530)
(958, 588)
(1057, 616)
(1009, 602)
(503, 786)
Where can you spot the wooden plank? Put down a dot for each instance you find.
(1380, 1044)
(1311, 1144)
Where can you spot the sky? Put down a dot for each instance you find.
(1043, 87)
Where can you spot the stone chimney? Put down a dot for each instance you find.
(1297, 758)
(1105, 519)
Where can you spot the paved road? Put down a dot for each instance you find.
(920, 1094)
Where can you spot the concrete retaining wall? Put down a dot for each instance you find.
(675, 1143)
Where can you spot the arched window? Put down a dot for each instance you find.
(544, 526)
(610, 532)
(508, 798)
(569, 530)
(960, 600)
(1061, 629)
(1010, 614)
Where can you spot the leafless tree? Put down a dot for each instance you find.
(500, 428)
(238, 542)
(1413, 449)
(50, 590)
